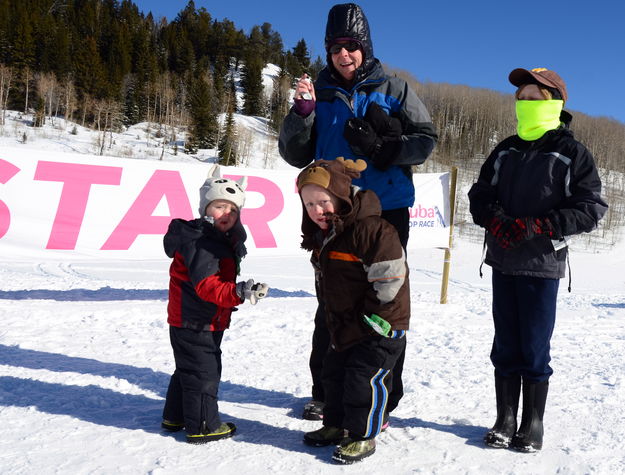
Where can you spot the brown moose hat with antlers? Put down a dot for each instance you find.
(333, 175)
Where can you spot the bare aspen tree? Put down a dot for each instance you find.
(69, 96)
(47, 87)
(26, 76)
(108, 117)
(87, 103)
(6, 75)
(245, 142)
(167, 94)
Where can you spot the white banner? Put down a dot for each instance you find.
(430, 216)
(58, 206)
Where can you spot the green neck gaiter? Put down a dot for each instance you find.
(537, 117)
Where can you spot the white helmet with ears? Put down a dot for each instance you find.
(217, 188)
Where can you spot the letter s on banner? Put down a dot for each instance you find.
(7, 171)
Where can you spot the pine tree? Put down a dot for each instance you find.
(292, 65)
(273, 44)
(316, 67)
(204, 126)
(90, 73)
(40, 112)
(23, 42)
(118, 61)
(228, 145)
(5, 40)
(131, 112)
(252, 77)
(300, 52)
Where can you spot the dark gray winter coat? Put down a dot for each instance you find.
(555, 177)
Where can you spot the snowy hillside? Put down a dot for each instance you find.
(258, 143)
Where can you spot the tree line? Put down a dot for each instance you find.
(105, 64)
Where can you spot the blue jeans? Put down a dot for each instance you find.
(524, 314)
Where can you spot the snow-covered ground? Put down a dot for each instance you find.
(85, 361)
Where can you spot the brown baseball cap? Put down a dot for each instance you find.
(544, 76)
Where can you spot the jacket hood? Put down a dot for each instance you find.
(182, 232)
(347, 20)
(363, 204)
(566, 118)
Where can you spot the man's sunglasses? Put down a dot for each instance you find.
(349, 46)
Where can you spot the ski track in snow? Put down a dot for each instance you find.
(85, 362)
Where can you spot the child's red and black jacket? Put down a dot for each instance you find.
(202, 284)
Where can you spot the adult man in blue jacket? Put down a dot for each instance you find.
(354, 110)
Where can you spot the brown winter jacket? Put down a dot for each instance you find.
(361, 270)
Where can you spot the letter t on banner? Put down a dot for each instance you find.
(77, 180)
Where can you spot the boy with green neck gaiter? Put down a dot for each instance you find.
(540, 98)
(535, 189)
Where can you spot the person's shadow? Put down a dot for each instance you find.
(109, 407)
(472, 434)
(110, 294)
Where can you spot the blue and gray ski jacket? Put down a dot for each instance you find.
(320, 134)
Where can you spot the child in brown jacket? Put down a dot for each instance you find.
(362, 276)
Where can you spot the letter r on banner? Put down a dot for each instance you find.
(257, 219)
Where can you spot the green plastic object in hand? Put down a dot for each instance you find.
(378, 324)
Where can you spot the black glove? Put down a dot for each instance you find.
(383, 124)
(361, 137)
(363, 140)
(506, 231)
(378, 136)
(534, 227)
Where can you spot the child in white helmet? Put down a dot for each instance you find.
(203, 291)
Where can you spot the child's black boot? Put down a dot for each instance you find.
(225, 430)
(507, 391)
(353, 449)
(325, 436)
(529, 437)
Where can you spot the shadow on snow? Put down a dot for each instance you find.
(108, 407)
(106, 294)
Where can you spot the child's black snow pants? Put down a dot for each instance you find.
(357, 384)
(192, 392)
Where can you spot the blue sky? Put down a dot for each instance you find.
(476, 43)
